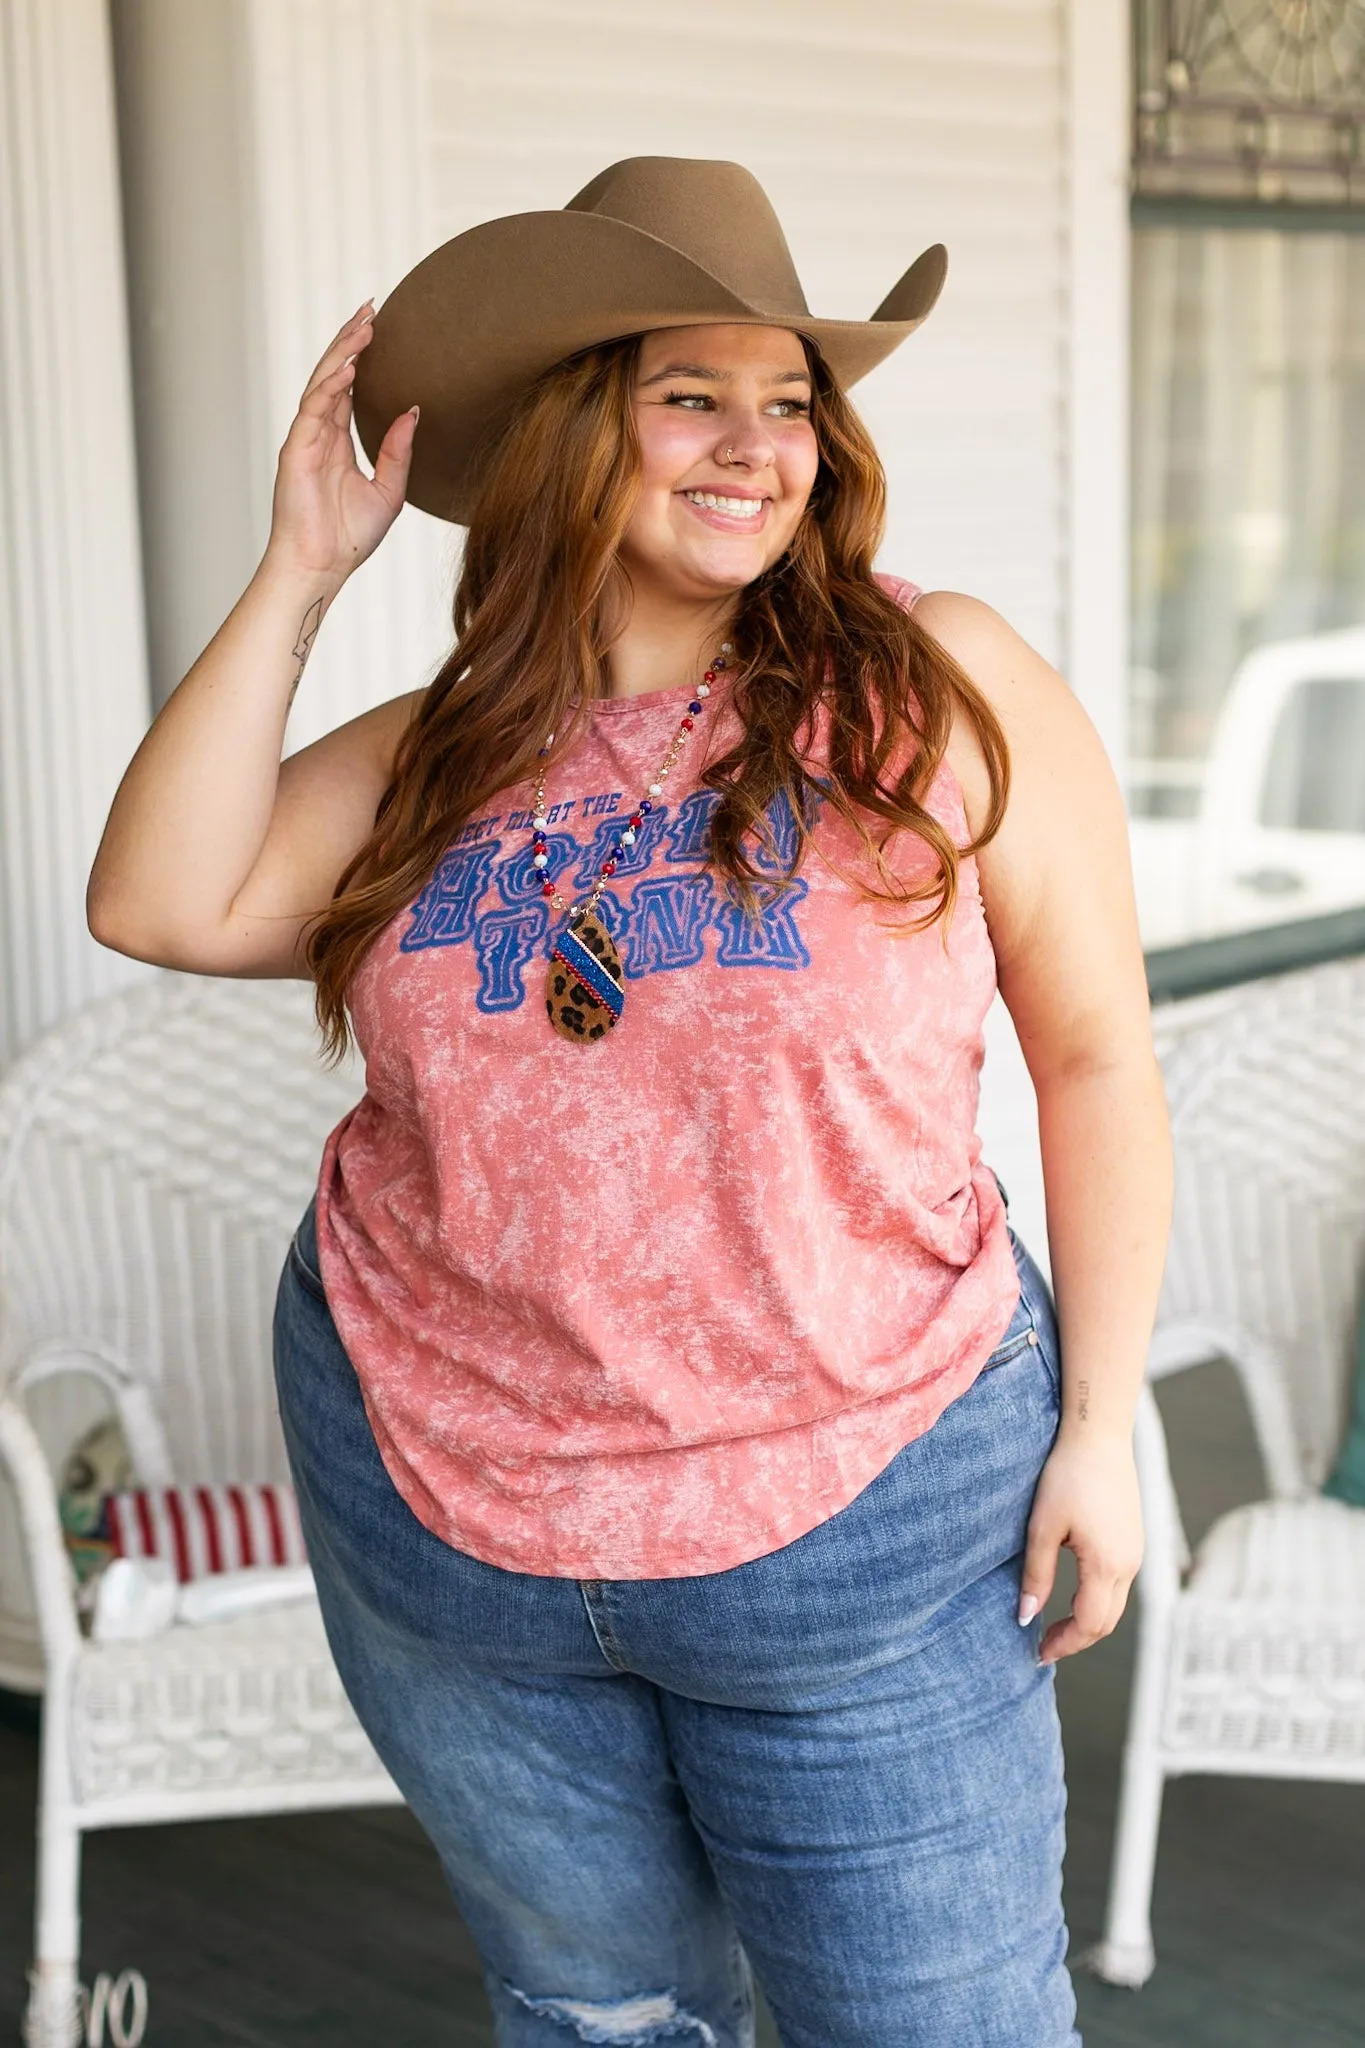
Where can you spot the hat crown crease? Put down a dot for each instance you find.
(714, 213)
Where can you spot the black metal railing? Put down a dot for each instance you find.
(1200, 966)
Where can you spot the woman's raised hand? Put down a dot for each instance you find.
(328, 516)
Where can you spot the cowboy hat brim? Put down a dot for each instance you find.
(471, 328)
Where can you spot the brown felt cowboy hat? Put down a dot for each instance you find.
(654, 241)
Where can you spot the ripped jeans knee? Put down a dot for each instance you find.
(624, 2022)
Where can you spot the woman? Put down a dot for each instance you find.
(680, 1429)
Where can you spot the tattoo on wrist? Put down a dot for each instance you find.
(1083, 1400)
(303, 646)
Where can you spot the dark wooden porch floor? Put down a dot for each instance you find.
(335, 1931)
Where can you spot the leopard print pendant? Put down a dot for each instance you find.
(585, 988)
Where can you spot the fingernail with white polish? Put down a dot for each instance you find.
(1028, 1607)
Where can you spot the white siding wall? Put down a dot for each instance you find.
(382, 127)
(73, 673)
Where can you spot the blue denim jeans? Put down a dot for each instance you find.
(839, 1764)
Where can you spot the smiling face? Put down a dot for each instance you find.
(728, 457)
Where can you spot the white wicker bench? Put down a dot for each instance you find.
(156, 1152)
(1251, 1652)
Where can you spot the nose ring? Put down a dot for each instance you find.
(730, 454)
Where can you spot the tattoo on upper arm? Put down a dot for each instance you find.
(303, 646)
(1083, 1395)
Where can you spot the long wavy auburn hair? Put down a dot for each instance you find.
(541, 581)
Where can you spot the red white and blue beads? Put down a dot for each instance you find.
(540, 852)
(585, 986)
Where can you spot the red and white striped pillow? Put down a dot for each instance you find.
(206, 1529)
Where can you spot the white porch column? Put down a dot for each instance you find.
(73, 676)
(275, 173)
(73, 673)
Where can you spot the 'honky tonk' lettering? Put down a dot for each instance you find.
(485, 894)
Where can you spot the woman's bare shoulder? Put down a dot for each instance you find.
(1028, 696)
(1056, 880)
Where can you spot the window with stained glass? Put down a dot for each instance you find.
(1247, 701)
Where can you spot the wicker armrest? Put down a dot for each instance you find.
(53, 1589)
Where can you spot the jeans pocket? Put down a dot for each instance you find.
(1036, 1293)
(1033, 1326)
(1022, 1335)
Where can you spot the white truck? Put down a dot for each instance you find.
(1280, 826)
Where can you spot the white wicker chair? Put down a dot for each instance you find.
(156, 1151)
(1251, 1653)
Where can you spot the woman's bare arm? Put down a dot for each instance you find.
(215, 855)
(1057, 886)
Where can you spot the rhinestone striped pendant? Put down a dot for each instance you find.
(585, 988)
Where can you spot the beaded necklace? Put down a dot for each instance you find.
(585, 985)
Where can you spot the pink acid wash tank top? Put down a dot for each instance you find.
(658, 1305)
